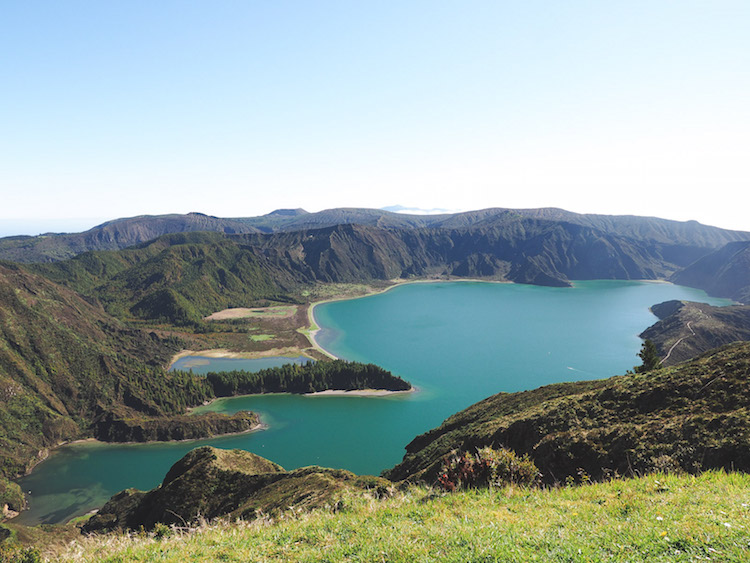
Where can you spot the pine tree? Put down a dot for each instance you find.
(650, 357)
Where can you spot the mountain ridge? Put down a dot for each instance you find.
(124, 232)
(724, 272)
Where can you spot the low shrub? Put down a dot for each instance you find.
(487, 467)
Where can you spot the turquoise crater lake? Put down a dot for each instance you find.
(458, 342)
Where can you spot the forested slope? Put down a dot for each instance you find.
(65, 363)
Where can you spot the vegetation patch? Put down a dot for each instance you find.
(261, 337)
(484, 468)
(11, 497)
(310, 377)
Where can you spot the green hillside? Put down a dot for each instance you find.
(686, 329)
(690, 417)
(178, 278)
(64, 363)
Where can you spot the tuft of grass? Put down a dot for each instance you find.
(261, 337)
(660, 517)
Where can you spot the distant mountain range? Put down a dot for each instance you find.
(289, 247)
(122, 233)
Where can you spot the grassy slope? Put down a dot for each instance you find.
(654, 518)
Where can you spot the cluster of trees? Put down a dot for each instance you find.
(306, 378)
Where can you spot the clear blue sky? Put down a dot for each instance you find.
(235, 108)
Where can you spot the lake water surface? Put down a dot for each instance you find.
(458, 342)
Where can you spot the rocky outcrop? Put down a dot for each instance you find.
(210, 483)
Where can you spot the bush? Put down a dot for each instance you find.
(162, 531)
(486, 468)
(16, 554)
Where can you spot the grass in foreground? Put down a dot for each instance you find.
(655, 518)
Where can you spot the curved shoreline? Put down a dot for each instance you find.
(374, 393)
(314, 328)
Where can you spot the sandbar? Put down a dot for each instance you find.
(359, 393)
(280, 312)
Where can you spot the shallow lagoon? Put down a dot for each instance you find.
(457, 342)
(204, 364)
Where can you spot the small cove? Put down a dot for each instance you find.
(458, 342)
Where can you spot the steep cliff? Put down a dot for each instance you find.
(724, 272)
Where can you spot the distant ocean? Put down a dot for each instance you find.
(33, 227)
